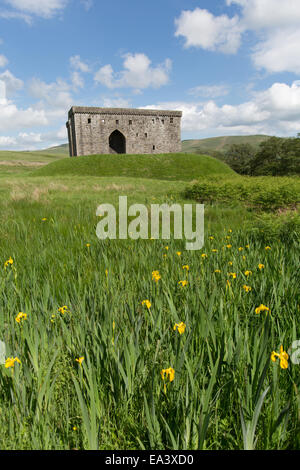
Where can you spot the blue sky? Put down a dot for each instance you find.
(231, 66)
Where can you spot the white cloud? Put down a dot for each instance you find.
(3, 60)
(77, 80)
(78, 64)
(79, 67)
(274, 111)
(29, 138)
(54, 97)
(6, 141)
(137, 73)
(279, 52)
(43, 8)
(34, 140)
(266, 14)
(12, 14)
(202, 29)
(87, 4)
(209, 91)
(282, 100)
(13, 118)
(12, 84)
(276, 24)
(116, 103)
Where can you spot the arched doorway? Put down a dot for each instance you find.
(117, 142)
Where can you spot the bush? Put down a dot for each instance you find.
(267, 194)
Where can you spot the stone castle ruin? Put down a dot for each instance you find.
(120, 130)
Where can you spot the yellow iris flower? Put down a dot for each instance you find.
(10, 362)
(147, 303)
(261, 308)
(180, 327)
(283, 358)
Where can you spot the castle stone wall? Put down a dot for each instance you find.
(142, 131)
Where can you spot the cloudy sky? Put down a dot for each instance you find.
(231, 66)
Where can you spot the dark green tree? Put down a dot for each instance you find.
(277, 156)
(239, 157)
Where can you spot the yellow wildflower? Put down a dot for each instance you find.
(204, 255)
(247, 288)
(214, 250)
(63, 309)
(217, 270)
(247, 246)
(80, 360)
(261, 266)
(183, 283)
(166, 248)
(147, 303)
(211, 238)
(44, 219)
(261, 308)
(248, 273)
(10, 362)
(180, 327)
(88, 245)
(283, 358)
(267, 248)
(186, 266)
(168, 373)
(233, 275)
(10, 261)
(21, 316)
(178, 253)
(156, 276)
(228, 246)
(241, 248)
(230, 263)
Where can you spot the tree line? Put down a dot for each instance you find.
(276, 156)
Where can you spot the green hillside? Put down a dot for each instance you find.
(162, 166)
(13, 162)
(58, 150)
(220, 144)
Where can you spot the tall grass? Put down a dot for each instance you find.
(226, 392)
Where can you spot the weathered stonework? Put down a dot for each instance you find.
(120, 130)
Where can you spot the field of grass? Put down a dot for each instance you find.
(89, 365)
(20, 162)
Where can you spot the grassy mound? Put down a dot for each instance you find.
(163, 166)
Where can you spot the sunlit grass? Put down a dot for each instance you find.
(103, 354)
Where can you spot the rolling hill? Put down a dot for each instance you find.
(221, 144)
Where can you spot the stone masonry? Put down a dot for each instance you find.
(121, 130)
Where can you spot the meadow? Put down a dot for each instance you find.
(123, 344)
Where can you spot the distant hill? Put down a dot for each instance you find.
(58, 150)
(198, 146)
(221, 144)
